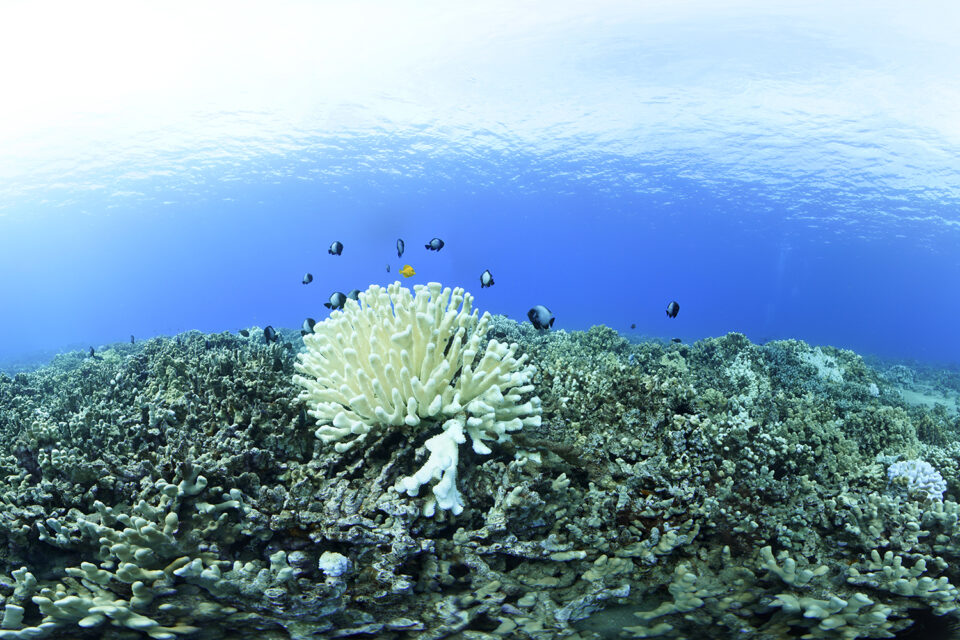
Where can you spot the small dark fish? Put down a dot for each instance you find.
(541, 317)
(486, 279)
(388, 268)
(307, 326)
(400, 247)
(244, 332)
(91, 352)
(676, 340)
(354, 295)
(633, 326)
(307, 278)
(131, 338)
(337, 300)
(435, 245)
(673, 309)
(336, 248)
(270, 334)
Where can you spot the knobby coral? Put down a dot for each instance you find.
(397, 358)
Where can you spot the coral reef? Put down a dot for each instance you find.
(176, 488)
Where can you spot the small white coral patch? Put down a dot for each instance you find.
(917, 478)
(333, 564)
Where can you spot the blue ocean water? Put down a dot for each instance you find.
(784, 171)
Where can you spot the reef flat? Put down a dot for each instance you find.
(176, 488)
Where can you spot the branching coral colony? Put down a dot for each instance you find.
(402, 360)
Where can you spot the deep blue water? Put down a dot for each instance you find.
(786, 173)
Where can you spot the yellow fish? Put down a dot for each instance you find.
(407, 271)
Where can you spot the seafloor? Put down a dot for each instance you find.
(722, 489)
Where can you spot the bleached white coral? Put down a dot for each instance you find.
(334, 564)
(918, 479)
(395, 358)
(827, 366)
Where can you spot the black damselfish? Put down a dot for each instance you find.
(307, 326)
(541, 317)
(486, 279)
(337, 300)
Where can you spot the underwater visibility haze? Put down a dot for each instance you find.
(785, 171)
(480, 320)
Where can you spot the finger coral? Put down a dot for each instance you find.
(398, 359)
